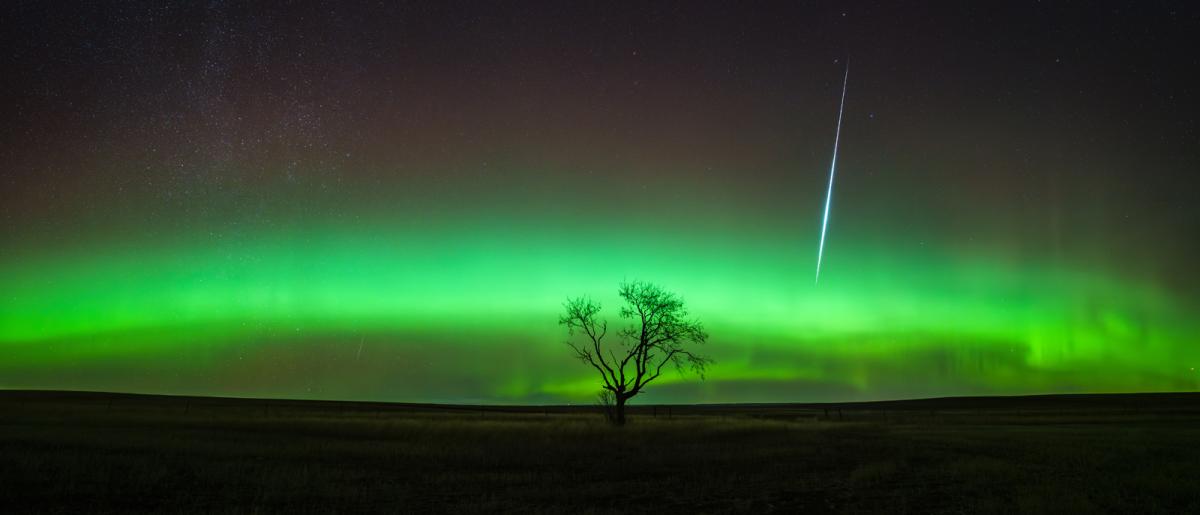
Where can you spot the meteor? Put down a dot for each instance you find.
(832, 167)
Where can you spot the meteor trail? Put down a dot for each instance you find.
(832, 167)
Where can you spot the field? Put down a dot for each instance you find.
(86, 452)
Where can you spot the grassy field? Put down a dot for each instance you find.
(78, 452)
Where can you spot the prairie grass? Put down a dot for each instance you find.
(91, 453)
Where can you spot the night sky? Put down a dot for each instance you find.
(392, 202)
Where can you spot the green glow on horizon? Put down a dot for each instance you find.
(873, 328)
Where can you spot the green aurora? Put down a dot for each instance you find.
(392, 201)
(424, 300)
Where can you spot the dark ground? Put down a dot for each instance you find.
(80, 452)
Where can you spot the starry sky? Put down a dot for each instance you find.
(392, 201)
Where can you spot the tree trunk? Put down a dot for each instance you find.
(620, 418)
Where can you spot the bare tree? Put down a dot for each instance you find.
(659, 333)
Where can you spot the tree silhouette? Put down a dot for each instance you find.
(659, 333)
